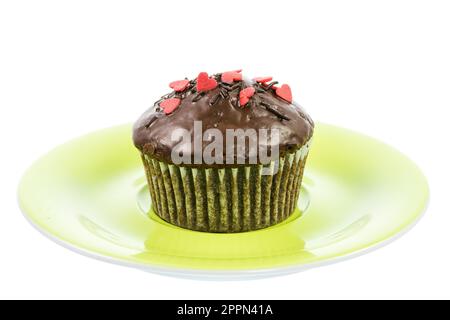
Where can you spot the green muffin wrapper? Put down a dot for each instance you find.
(225, 200)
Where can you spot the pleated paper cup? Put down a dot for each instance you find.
(225, 200)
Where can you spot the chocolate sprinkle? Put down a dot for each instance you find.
(158, 102)
(274, 111)
(236, 86)
(271, 85)
(225, 85)
(214, 100)
(198, 96)
(152, 119)
(223, 94)
(169, 95)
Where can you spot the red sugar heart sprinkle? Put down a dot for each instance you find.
(179, 85)
(231, 76)
(284, 92)
(245, 95)
(170, 105)
(205, 83)
(262, 79)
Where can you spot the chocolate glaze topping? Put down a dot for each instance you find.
(220, 109)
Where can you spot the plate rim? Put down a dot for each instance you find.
(220, 275)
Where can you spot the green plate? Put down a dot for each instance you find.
(90, 195)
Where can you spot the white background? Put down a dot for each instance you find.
(70, 67)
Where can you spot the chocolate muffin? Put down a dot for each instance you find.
(223, 153)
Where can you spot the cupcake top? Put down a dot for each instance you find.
(220, 103)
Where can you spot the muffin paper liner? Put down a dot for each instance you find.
(227, 199)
